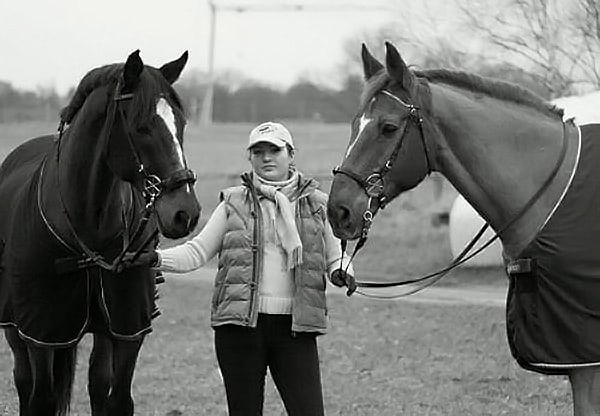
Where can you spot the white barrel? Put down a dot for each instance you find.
(464, 224)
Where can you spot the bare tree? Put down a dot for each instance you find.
(435, 52)
(559, 38)
(585, 21)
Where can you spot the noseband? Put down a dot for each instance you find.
(374, 183)
(153, 187)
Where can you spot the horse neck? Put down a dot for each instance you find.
(92, 195)
(498, 154)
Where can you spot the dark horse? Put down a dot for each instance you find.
(76, 206)
(531, 175)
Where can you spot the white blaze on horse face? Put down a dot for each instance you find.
(164, 111)
(362, 123)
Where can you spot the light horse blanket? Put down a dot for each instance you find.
(553, 312)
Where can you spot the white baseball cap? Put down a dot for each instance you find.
(271, 132)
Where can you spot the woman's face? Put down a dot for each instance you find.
(270, 162)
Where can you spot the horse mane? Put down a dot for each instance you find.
(93, 79)
(494, 88)
(110, 74)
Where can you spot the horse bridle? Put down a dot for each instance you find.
(153, 187)
(374, 184)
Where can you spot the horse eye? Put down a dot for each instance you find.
(389, 128)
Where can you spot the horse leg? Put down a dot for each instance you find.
(100, 374)
(125, 353)
(585, 384)
(21, 370)
(63, 368)
(42, 401)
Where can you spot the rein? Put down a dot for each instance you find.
(373, 185)
(152, 190)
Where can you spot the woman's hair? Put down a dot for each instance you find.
(290, 149)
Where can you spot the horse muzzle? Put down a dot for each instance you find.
(345, 208)
(178, 212)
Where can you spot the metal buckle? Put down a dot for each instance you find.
(413, 113)
(152, 186)
(367, 222)
(374, 185)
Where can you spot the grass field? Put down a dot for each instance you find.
(380, 358)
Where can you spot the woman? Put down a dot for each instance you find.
(275, 248)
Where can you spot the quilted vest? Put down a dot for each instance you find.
(235, 296)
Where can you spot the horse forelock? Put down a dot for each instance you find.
(372, 86)
(382, 80)
(145, 99)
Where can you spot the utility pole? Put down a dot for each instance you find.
(206, 116)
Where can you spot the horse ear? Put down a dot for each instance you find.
(131, 72)
(172, 70)
(396, 67)
(370, 65)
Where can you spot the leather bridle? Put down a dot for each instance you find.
(374, 183)
(153, 185)
(153, 188)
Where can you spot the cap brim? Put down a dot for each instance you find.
(273, 140)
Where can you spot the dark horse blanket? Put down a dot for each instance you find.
(553, 311)
(50, 308)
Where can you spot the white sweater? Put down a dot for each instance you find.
(276, 286)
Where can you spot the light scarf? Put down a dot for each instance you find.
(281, 217)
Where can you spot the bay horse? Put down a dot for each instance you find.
(530, 174)
(76, 206)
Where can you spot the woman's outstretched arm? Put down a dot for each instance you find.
(199, 250)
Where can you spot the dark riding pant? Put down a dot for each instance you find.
(245, 353)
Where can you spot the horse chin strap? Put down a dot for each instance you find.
(152, 189)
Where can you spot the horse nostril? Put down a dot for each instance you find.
(339, 214)
(182, 218)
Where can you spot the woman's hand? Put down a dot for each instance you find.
(340, 278)
(145, 258)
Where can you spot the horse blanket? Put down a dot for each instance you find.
(553, 307)
(51, 308)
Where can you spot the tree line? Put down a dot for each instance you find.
(249, 103)
(20, 105)
(252, 102)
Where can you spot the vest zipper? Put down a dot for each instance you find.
(255, 213)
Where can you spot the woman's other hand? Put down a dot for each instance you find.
(145, 258)
(340, 278)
